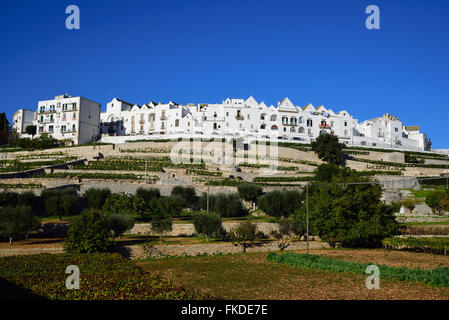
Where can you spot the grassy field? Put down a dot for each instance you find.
(251, 276)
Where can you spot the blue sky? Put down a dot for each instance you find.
(206, 50)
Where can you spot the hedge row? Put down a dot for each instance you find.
(437, 277)
(438, 245)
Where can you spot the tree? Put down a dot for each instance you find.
(148, 194)
(88, 233)
(8, 198)
(244, 235)
(187, 194)
(250, 192)
(16, 222)
(327, 171)
(96, 197)
(287, 229)
(349, 216)
(161, 224)
(119, 204)
(119, 224)
(437, 200)
(4, 129)
(279, 203)
(225, 204)
(31, 130)
(327, 147)
(208, 225)
(60, 202)
(171, 206)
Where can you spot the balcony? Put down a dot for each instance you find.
(238, 117)
(70, 109)
(46, 111)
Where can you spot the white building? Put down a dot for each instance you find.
(79, 120)
(21, 119)
(72, 119)
(239, 117)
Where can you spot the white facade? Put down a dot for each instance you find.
(21, 119)
(80, 120)
(239, 117)
(74, 119)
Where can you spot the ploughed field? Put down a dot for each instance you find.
(252, 276)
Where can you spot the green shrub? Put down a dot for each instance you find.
(328, 148)
(279, 203)
(225, 204)
(249, 191)
(438, 245)
(436, 200)
(88, 233)
(17, 222)
(349, 216)
(244, 235)
(186, 194)
(119, 204)
(161, 224)
(208, 225)
(119, 224)
(96, 197)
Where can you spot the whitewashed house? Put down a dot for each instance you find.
(75, 120)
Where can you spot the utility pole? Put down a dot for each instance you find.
(208, 199)
(307, 216)
(146, 163)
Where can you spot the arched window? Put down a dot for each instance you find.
(301, 130)
(177, 123)
(292, 129)
(300, 120)
(273, 117)
(263, 116)
(263, 126)
(274, 127)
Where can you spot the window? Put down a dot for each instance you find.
(41, 129)
(50, 129)
(63, 128)
(309, 122)
(73, 127)
(396, 129)
(346, 123)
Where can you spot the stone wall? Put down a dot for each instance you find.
(161, 251)
(187, 229)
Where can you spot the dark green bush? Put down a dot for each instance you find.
(119, 224)
(225, 204)
(96, 197)
(279, 203)
(208, 225)
(17, 222)
(187, 194)
(88, 233)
